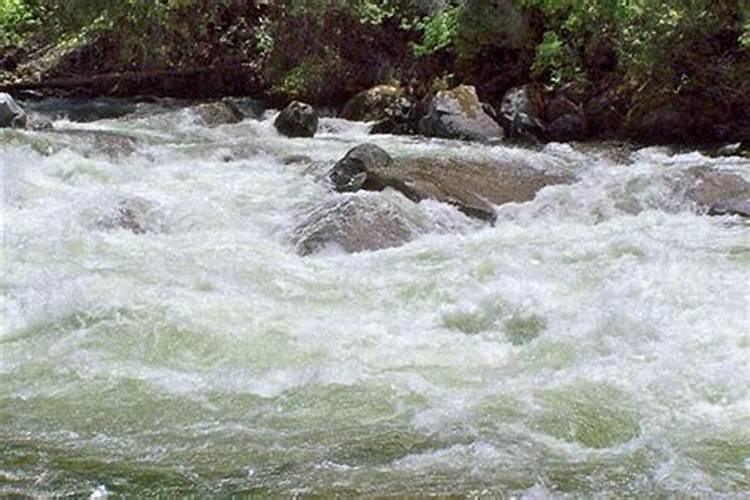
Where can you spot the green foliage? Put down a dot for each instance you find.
(554, 57)
(307, 78)
(15, 19)
(438, 32)
(490, 23)
(656, 39)
(301, 43)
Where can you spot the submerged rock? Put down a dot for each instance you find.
(353, 224)
(295, 159)
(115, 145)
(297, 120)
(474, 186)
(11, 114)
(112, 144)
(213, 114)
(136, 214)
(40, 123)
(718, 192)
(458, 114)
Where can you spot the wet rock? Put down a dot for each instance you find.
(718, 192)
(522, 113)
(213, 114)
(136, 214)
(677, 119)
(603, 115)
(40, 123)
(568, 127)
(474, 186)
(115, 145)
(295, 159)
(85, 110)
(350, 173)
(566, 120)
(112, 144)
(11, 114)
(661, 125)
(458, 114)
(378, 103)
(297, 120)
(246, 106)
(353, 224)
(736, 149)
(394, 126)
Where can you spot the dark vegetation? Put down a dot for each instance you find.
(665, 70)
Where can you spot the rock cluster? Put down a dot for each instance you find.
(474, 187)
(355, 222)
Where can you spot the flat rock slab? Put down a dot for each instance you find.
(474, 187)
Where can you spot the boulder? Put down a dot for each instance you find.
(458, 114)
(353, 224)
(474, 186)
(213, 114)
(297, 120)
(522, 113)
(603, 115)
(350, 173)
(718, 192)
(11, 114)
(568, 127)
(668, 123)
(677, 119)
(378, 103)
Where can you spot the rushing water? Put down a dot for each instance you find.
(595, 341)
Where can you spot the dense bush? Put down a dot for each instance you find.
(311, 47)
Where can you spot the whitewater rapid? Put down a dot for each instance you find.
(594, 341)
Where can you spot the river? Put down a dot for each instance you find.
(593, 342)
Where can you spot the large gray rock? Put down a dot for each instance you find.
(353, 224)
(718, 192)
(458, 114)
(474, 186)
(297, 120)
(11, 114)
